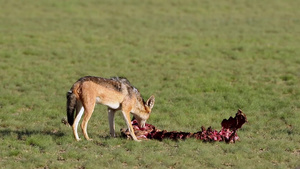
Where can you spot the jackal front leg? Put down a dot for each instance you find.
(129, 125)
(111, 120)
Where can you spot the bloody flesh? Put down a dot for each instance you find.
(228, 133)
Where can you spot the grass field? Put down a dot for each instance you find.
(202, 60)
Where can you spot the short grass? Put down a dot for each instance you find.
(201, 59)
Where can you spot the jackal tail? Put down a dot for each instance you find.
(71, 105)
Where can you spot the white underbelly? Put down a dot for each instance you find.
(113, 105)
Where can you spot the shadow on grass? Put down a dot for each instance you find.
(23, 134)
(26, 133)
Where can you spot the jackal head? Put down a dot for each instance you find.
(143, 111)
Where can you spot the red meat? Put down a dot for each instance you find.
(228, 133)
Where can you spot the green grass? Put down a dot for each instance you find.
(201, 59)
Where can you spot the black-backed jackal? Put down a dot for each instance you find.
(117, 93)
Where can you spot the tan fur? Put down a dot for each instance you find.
(117, 94)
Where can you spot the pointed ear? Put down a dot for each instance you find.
(150, 102)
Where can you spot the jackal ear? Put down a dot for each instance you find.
(150, 102)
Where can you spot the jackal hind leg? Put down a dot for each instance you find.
(89, 109)
(111, 120)
(79, 113)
